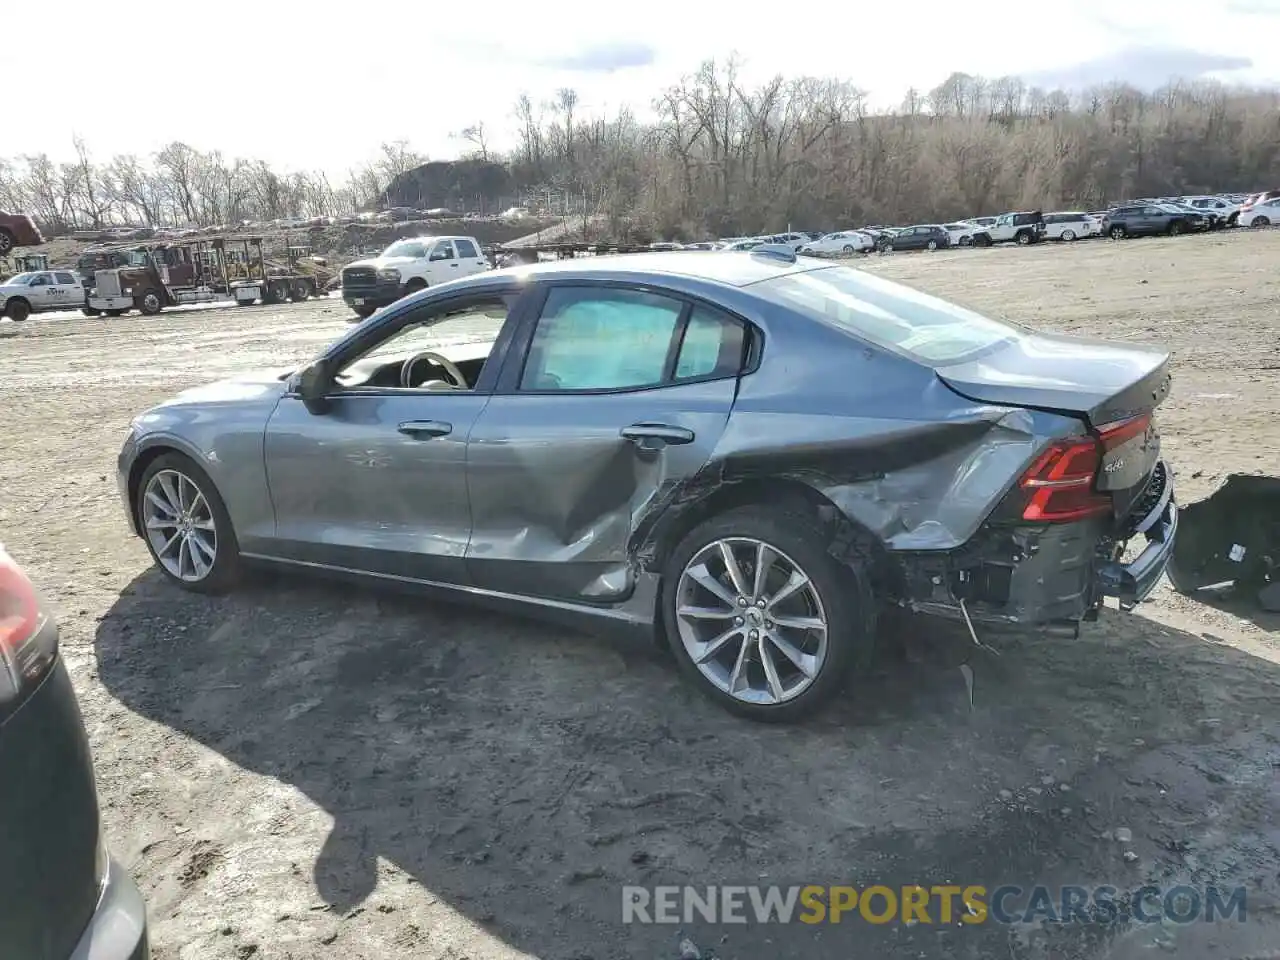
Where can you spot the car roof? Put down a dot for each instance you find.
(730, 268)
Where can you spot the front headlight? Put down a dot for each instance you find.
(389, 274)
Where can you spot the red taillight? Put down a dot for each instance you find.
(1115, 434)
(22, 657)
(1060, 483)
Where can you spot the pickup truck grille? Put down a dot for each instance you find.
(359, 277)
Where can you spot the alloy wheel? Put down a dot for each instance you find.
(179, 526)
(751, 620)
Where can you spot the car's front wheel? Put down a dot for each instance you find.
(186, 526)
(761, 617)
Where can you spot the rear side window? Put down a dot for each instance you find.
(65, 278)
(713, 345)
(888, 314)
(467, 250)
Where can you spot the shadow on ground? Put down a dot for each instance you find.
(523, 775)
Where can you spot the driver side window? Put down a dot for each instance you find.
(463, 335)
(442, 251)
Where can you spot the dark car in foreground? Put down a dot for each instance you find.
(752, 452)
(1147, 219)
(926, 236)
(62, 897)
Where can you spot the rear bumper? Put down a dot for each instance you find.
(1056, 574)
(1132, 582)
(118, 928)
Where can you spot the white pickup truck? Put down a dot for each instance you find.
(408, 266)
(41, 291)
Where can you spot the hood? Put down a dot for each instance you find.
(242, 388)
(382, 263)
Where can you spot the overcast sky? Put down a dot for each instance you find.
(350, 75)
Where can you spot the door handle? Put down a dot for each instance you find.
(665, 433)
(425, 429)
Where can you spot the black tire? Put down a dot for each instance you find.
(115, 313)
(277, 292)
(226, 563)
(931, 245)
(364, 313)
(1024, 237)
(7, 242)
(982, 240)
(90, 312)
(1175, 228)
(414, 285)
(966, 241)
(149, 302)
(847, 248)
(301, 290)
(1260, 222)
(1117, 232)
(17, 309)
(843, 591)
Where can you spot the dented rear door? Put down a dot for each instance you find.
(624, 394)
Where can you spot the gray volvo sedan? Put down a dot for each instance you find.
(748, 454)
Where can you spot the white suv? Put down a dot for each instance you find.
(1070, 226)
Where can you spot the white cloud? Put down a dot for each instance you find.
(321, 86)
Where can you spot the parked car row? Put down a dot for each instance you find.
(1146, 215)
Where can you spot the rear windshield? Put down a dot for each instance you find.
(888, 314)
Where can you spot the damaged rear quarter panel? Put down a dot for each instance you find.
(878, 435)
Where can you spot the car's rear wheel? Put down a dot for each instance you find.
(185, 525)
(932, 245)
(1068, 235)
(1116, 233)
(762, 618)
(847, 248)
(1260, 222)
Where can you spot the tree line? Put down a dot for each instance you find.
(721, 157)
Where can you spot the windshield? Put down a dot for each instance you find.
(406, 248)
(19, 279)
(926, 328)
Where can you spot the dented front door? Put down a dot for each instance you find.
(559, 482)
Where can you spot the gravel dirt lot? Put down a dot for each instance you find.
(311, 771)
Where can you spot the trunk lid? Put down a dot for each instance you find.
(1096, 380)
(1113, 388)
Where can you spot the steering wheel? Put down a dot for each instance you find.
(444, 363)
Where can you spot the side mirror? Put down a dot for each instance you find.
(313, 386)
